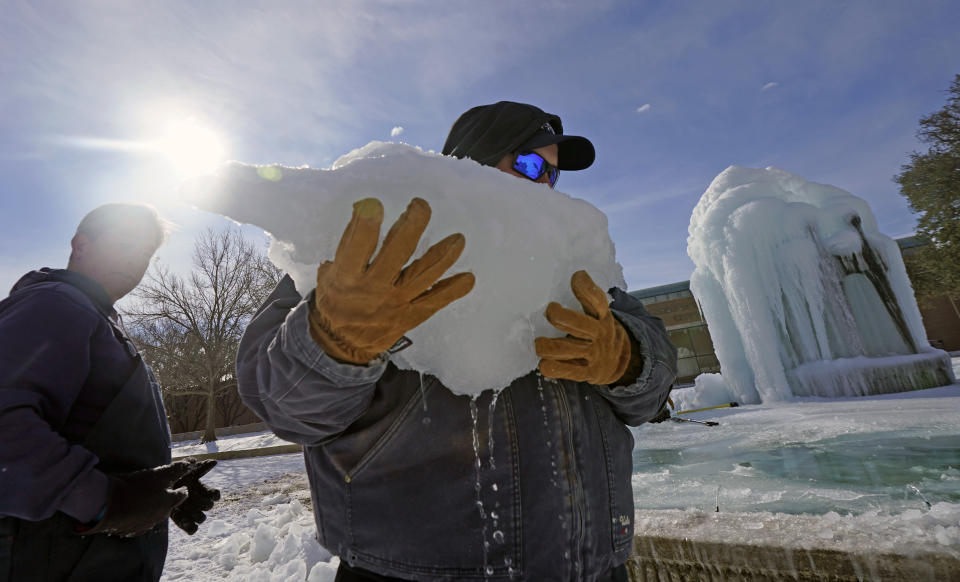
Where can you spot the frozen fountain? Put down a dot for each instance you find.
(802, 294)
(803, 297)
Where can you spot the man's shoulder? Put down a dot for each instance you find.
(52, 296)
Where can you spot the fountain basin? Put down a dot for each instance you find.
(656, 559)
(864, 488)
(807, 456)
(861, 376)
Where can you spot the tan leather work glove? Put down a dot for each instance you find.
(362, 307)
(596, 350)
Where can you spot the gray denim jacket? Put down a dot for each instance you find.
(412, 481)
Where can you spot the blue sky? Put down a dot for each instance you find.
(671, 93)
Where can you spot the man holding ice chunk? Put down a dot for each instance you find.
(412, 482)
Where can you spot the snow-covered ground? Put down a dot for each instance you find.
(844, 485)
(239, 442)
(262, 530)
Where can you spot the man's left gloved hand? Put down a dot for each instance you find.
(190, 514)
(596, 350)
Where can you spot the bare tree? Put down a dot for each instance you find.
(189, 329)
(230, 407)
(184, 413)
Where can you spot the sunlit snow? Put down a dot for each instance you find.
(228, 443)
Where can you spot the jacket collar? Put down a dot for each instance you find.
(92, 289)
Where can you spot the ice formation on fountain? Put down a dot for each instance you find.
(803, 296)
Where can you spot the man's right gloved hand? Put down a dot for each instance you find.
(665, 413)
(361, 307)
(140, 500)
(190, 514)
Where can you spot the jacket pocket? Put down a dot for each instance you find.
(384, 439)
(428, 499)
(618, 456)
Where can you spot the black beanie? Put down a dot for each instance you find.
(486, 133)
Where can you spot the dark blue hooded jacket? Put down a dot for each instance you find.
(61, 364)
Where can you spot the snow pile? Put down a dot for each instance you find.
(523, 243)
(802, 294)
(259, 533)
(708, 390)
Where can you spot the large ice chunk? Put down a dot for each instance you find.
(523, 242)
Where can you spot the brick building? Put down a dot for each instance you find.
(678, 309)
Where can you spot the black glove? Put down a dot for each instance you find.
(661, 416)
(138, 501)
(189, 514)
(664, 413)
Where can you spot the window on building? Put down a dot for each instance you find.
(681, 339)
(701, 340)
(687, 370)
(709, 364)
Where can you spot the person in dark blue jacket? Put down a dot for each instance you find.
(402, 486)
(86, 484)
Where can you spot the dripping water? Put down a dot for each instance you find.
(493, 406)
(477, 465)
(423, 393)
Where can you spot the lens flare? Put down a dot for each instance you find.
(190, 147)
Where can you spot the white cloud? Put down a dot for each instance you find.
(643, 108)
(397, 130)
(770, 85)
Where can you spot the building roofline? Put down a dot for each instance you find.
(661, 289)
(904, 242)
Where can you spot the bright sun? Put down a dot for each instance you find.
(190, 147)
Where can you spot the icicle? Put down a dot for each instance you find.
(493, 406)
(423, 398)
(543, 401)
(423, 393)
(546, 429)
(477, 486)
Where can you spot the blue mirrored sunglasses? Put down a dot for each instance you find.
(532, 165)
